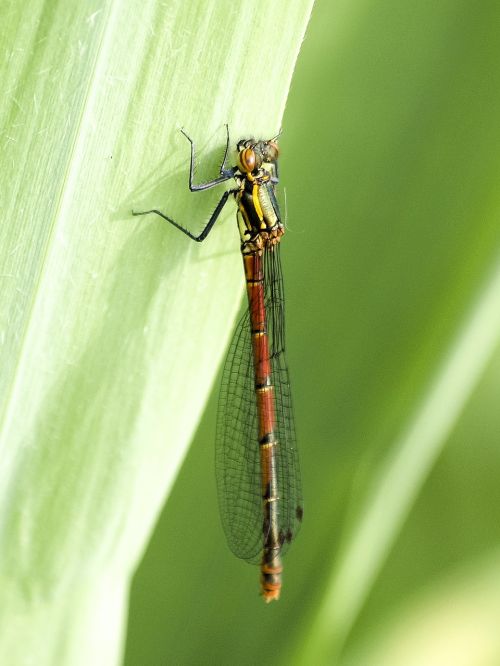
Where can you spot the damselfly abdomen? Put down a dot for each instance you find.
(258, 478)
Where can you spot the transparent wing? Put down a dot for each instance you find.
(237, 446)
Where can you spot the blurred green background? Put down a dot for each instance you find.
(390, 159)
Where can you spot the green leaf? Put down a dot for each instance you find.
(452, 621)
(112, 327)
(401, 474)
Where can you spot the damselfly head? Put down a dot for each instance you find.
(252, 154)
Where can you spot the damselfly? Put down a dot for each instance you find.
(258, 479)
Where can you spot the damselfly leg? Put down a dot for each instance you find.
(226, 174)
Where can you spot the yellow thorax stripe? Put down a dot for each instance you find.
(256, 202)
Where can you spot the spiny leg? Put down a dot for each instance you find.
(222, 169)
(226, 174)
(208, 227)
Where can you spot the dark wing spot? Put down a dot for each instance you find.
(299, 513)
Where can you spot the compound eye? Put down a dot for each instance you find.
(248, 160)
(272, 151)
